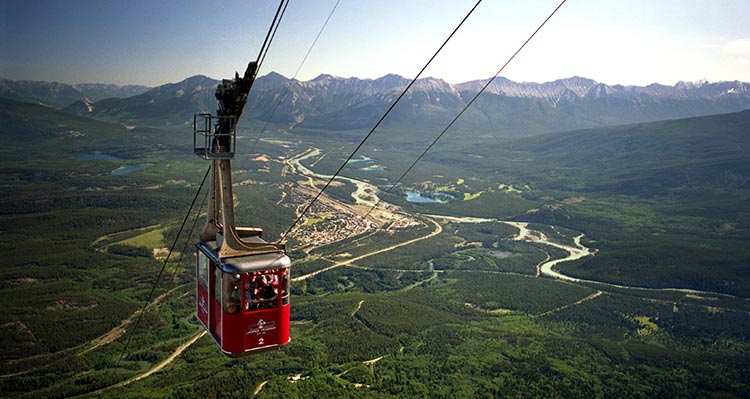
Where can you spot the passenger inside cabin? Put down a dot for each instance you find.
(233, 300)
(268, 293)
(261, 292)
(285, 288)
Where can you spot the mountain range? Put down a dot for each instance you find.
(505, 109)
(59, 95)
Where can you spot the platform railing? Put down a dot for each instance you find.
(214, 137)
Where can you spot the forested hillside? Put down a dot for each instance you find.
(449, 299)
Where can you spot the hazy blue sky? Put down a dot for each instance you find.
(160, 41)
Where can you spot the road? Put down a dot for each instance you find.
(119, 330)
(151, 371)
(166, 361)
(578, 302)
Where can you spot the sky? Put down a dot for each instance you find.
(153, 42)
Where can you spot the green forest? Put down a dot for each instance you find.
(664, 310)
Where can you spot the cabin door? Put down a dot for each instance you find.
(202, 298)
(215, 312)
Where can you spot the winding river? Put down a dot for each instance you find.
(363, 195)
(525, 234)
(574, 253)
(366, 195)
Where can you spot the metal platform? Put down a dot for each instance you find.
(207, 142)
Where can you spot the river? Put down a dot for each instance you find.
(365, 194)
(579, 251)
(574, 253)
(526, 234)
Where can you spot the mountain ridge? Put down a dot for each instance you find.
(59, 95)
(506, 109)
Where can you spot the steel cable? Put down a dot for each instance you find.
(377, 124)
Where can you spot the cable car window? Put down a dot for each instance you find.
(232, 298)
(203, 270)
(262, 290)
(285, 287)
(217, 284)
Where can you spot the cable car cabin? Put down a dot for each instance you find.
(243, 301)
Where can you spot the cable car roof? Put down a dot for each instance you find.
(246, 263)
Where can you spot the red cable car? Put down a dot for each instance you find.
(243, 301)
(242, 290)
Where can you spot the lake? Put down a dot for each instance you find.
(120, 171)
(126, 169)
(427, 197)
(362, 159)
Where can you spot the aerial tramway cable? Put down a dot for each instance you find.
(271, 32)
(190, 234)
(377, 124)
(390, 189)
(164, 265)
(289, 84)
